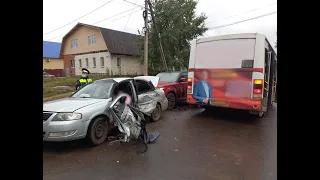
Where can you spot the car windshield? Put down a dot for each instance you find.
(97, 90)
(168, 76)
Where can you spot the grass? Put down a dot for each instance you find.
(49, 84)
(59, 96)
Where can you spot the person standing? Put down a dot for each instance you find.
(202, 90)
(84, 80)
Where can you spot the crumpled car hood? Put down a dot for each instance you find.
(70, 104)
(154, 79)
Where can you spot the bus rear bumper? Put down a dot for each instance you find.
(236, 103)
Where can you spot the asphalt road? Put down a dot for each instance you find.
(194, 145)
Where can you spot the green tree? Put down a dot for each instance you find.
(178, 24)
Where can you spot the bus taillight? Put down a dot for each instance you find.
(189, 88)
(257, 91)
(257, 88)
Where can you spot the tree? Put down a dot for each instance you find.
(178, 24)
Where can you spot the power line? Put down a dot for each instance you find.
(134, 3)
(257, 17)
(103, 25)
(242, 13)
(79, 17)
(122, 17)
(129, 18)
(115, 15)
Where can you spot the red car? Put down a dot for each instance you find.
(174, 84)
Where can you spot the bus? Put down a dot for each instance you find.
(237, 71)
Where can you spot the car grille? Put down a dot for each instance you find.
(46, 116)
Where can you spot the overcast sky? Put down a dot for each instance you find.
(57, 13)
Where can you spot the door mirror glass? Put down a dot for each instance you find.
(183, 80)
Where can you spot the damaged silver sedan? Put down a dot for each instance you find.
(87, 113)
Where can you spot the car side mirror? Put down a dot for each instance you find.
(183, 80)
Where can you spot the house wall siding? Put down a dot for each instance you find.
(91, 68)
(53, 64)
(81, 34)
(130, 65)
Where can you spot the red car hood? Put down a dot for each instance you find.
(163, 84)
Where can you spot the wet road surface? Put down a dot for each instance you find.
(194, 145)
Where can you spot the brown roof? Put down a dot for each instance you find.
(120, 43)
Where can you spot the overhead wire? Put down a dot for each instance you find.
(106, 23)
(79, 18)
(129, 18)
(115, 15)
(122, 17)
(235, 15)
(257, 17)
(133, 3)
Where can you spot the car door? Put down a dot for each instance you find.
(183, 85)
(147, 96)
(134, 94)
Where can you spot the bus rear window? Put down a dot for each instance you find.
(224, 54)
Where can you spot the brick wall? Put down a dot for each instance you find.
(67, 64)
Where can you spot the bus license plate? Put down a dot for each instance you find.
(219, 103)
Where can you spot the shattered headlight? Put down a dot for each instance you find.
(67, 116)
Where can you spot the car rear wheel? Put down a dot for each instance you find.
(171, 101)
(97, 131)
(155, 116)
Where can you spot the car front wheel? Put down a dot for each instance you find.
(97, 131)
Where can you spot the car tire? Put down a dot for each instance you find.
(156, 114)
(171, 101)
(98, 131)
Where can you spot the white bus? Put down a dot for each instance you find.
(235, 71)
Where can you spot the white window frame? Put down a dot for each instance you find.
(92, 39)
(102, 61)
(72, 63)
(80, 63)
(118, 61)
(94, 62)
(74, 43)
(87, 62)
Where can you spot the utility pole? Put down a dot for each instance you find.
(146, 34)
(159, 37)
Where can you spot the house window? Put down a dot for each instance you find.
(72, 63)
(118, 61)
(94, 62)
(102, 61)
(80, 63)
(74, 43)
(87, 62)
(92, 39)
